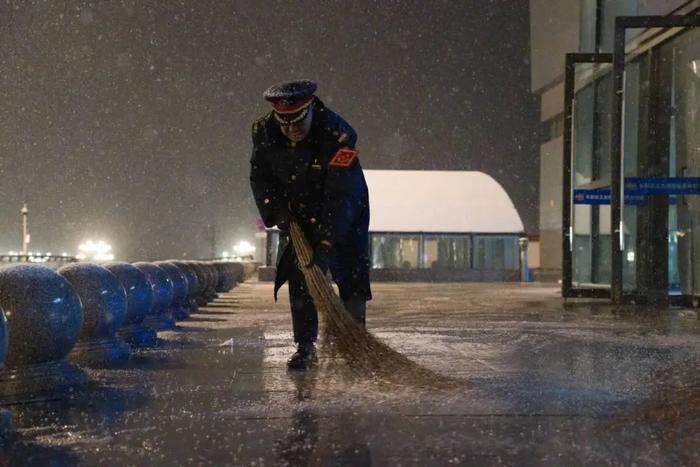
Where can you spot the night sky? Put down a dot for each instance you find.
(130, 121)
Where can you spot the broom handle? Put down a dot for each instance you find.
(301, 245)
(320, 289)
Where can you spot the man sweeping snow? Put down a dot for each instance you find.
(305, 168)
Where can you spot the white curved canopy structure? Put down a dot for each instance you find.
(439, 201)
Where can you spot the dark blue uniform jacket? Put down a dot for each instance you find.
(329, 201)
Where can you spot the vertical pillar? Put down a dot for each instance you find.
(616, 157)
(260, 247)
(25, 230)
(653, 161)
(421, 251)
(524, 266)
(271, 244)
(268, 270)
(567, 184)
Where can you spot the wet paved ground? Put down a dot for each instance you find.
(548, 385)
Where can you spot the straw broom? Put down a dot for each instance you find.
(364, 353)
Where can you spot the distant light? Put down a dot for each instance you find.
(95, 251)
(38, 259)
(630, 256)
(225, 254)
(243, 248)
(65, 253)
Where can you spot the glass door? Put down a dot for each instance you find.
(656, 161)
(586, 227)
(681, 57)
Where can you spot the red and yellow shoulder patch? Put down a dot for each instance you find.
(344, 157)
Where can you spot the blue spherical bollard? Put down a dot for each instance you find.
(226, 278)
(139, 301)
(213, 279)
(231, 274)
(209, 294)
(237, 271)
(220, 273)
(178, 306)
(192, 285)
(160, 317)
(203, 280)
(44, 319)
(104, 310)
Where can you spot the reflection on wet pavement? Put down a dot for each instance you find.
(549, 385)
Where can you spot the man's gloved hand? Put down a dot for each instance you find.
(321, 257)
(282, 219)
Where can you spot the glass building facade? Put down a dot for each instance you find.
(445, 251)
(632, 157)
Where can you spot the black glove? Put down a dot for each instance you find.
(322, 257)
(282, 219)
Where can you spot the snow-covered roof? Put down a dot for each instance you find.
(439, 201)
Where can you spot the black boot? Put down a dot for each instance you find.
(303, 358)
(357, 307)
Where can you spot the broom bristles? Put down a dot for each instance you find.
(366, 355)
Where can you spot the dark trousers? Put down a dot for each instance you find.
(304, 316)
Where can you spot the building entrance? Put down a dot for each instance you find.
(634, 165)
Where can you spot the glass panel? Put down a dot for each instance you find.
(591, 175)
(662, 139)
(602, 128)
(395, 251)
(634, 83)
(602, 265)
(684, 145)
(629, 258)
(495, 252)
(582, 245)
(447, 252)
(643, 259)
(583, 136)
(674, 279)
